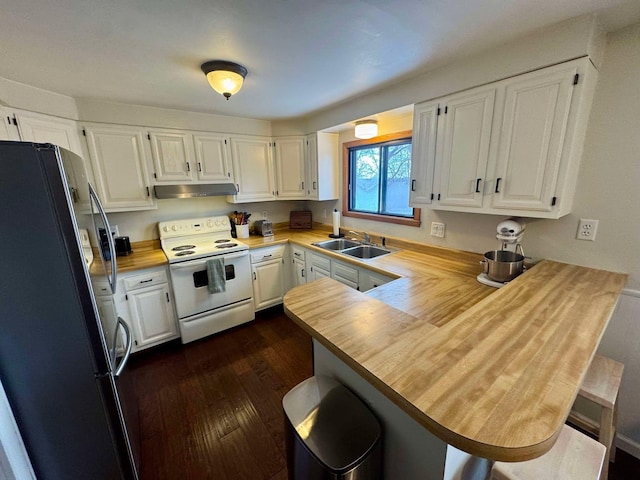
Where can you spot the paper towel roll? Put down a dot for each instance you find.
(336, 222)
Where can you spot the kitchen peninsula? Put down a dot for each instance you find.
(445, 360)
(494, 376)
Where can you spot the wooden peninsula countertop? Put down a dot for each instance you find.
(493, 372)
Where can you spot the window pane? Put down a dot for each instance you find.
(398, 175)
(366, 180)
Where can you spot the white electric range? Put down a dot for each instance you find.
(190, 244)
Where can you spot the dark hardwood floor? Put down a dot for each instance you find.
(212, 409)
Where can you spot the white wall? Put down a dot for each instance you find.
(144, 225)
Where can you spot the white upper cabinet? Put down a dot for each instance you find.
(322, 165)
(290, 171)
(34, 127)
(510, 148)
(213, 158)
(423, 152)
(120, 155)
(181, 156)
(7, 129)
(172, 154)
(464, 148)
(530, 149)
(253, 169)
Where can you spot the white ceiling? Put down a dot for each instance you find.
(302, 55)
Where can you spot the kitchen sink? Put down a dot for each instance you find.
(365, 251)
(337, 244)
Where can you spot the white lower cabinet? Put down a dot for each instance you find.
(108, 315)
(146, 304)
(369, 279)
(299, 274)
(318, 266)
(268, 275)
(309, 266)
(344, 273)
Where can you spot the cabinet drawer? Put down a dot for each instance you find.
(266, 254)
(341, 271)
(320, 261)
(297, 252)
(101, 287)
(145, 280)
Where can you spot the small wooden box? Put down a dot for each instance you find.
(300, 219)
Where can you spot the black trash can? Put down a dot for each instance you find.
(330, 433)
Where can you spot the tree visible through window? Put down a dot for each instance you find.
(377, 179)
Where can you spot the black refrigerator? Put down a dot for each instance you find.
(64, 375)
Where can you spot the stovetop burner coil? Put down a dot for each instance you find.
(183, 247)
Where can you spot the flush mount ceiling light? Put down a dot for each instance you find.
(366, 129)
(224, 77)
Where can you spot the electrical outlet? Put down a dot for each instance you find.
(265, 215)
(587, 229)
(114, 231)
(437, 229)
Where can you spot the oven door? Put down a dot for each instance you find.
(190, 284)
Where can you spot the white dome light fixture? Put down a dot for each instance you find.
(366, 129)
(224, 77)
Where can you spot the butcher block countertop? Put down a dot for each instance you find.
(493, 373)
(146, 254)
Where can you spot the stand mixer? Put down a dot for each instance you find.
(502, 266)
(510, 232)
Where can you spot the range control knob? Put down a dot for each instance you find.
(165, 229)
(174, 228)
(224, 221)
(209, 223)
(217, 223)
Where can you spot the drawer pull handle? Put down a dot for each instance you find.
(146, 281)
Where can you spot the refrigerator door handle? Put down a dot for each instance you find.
(120, 367)
(111, 242)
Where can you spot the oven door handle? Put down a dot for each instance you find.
(197, 263)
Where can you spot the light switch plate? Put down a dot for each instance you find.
(437, 229)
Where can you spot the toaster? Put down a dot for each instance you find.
(263, 227)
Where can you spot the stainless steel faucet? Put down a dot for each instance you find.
(366, 237)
